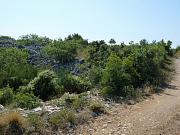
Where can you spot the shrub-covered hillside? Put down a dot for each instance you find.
(48, 68)
(34, 69)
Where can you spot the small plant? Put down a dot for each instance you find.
(37, 122)
(84, 116)
(97, 107)
(74, 101)
(63, 119)
(26, 101)
(6, 96)
(106, 91)
(12, 123)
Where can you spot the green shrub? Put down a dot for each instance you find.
(26, 101)
(37, 122)
(45, 85)
(74, 101)
(74, 84)
(14, 67)
(63, 119)
(116, 76)
(95, 75)
(97, 107)
(6, 96)
(83, 116)
(106, 91)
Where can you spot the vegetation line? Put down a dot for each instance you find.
(75, 76)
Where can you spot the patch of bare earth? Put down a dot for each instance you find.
(158, 115)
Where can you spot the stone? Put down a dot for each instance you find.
(131, 102)
(38, 109)
(1, 107)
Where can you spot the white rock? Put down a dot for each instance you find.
(1, 107)
(38, 109)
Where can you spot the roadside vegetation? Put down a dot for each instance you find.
(76, 76)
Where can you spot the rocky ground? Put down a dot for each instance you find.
(158, 115)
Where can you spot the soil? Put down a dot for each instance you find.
(158, 115)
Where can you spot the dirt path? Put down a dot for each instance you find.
(157, 116)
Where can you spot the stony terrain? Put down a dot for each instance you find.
(158, 115)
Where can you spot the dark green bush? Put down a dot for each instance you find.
(45, 85)
(95, 75)
(74, 84)
(6, 96)
(14, 68)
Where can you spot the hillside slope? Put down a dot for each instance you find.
(154, 116)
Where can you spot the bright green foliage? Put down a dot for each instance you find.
(27, 100)
(117, 75)
(45, 85)
(6, 96)
(135, 67)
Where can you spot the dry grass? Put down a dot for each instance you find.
(12, 123)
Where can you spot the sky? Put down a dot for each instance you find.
(123, 20)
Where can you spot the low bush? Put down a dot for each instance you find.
(95, 75)
(6, 96)
(74, 84)
(27, 100)
(63, 119)
(97, 107)
(74, 101)
(37, 122)
(84, 116)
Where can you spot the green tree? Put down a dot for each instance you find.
(112, 41)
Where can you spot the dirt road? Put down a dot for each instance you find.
(159, 115)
